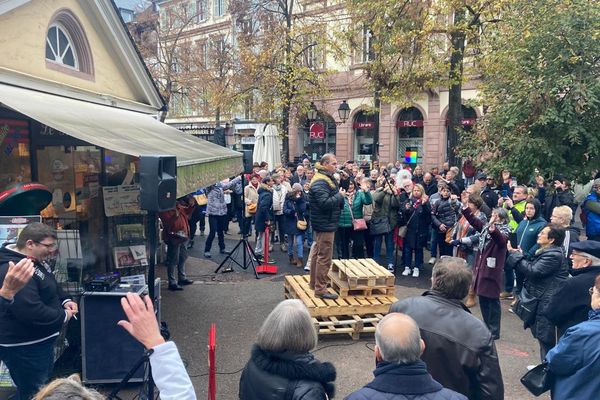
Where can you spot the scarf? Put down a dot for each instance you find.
(486, 237)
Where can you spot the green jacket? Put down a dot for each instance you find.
(359, 200)
(386, 205)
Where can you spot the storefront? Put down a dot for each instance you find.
(364, 126)
(319, 136)
(410, 126)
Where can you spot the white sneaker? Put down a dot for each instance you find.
(390, 267)
(415, 273)
(306, 268)
(406, 271)
(431, 260)
(530, 367)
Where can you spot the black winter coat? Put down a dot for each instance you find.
(37, 310)
(325, 201)
(544, 276)
(431, 188)
(419, 221)
(264, 210)
(559, 198)
(490, 198)
(460, 352)
(293, 207)
(570, 304)
(286, 376)
(444, 212)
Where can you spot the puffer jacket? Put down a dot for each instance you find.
(264, 211)
(325, 201)
(591, 208)
(294, 208)
(403, 382)
(444, 212)
(279, 193)
(460, 352)
(544, 275)
(286, 376)
(359, 200)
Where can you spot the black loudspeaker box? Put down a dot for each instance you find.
(108, 351)
(158, 182)
(247, 157)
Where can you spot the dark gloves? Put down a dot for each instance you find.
(455, 242)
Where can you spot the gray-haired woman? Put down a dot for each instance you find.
(280, 366)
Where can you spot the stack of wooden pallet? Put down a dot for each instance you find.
(366, 293)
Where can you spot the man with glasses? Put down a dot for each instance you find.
(487, 194)
(33, 321)
(570, 305)
(591, 209)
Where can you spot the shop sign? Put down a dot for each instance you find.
(363, 125)
(317, 131)
(122, 200)
(247, 140)
(465, 121)
(416, 123)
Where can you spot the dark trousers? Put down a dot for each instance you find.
(29, 366)
(389, 248)
(407, 252)
(217, 224)
(490, 310)
(369, 244)
(247, 228)
(358, 244)
(342, 238)
(433, 244)
(177, 254)
(445, 248)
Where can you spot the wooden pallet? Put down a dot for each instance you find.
(342, 288)
(363, 272)
(352, 325)
(296, 287)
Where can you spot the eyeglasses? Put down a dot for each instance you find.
(49, 246)
(591, 291)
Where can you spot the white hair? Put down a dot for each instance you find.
(405, 349)
(288, 327)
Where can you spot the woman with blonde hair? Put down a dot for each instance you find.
(281, 366)
(67, 388)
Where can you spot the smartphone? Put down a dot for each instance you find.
(504, 193)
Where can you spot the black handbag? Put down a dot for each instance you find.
(526, 307)
(538, 380)
(379, 226)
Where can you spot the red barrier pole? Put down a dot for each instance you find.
(212, 366)
(266, 246)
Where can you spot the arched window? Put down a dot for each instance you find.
(364, 126)
(410, 136)
(59, 47)
(67, 47)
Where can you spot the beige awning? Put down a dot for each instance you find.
(199, 163)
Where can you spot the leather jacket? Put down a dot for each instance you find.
(459, 349)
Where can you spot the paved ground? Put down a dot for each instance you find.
(238, 303)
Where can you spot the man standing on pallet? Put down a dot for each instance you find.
(326, 201)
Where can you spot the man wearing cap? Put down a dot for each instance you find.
(488, 195)
(591, 209)
(570, 305)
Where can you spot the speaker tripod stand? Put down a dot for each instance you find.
(147, 390)
(249, 258)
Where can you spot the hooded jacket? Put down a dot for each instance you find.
(264, 212)
(37, 312)
(528, 229)
(325, 201)
(286, 376)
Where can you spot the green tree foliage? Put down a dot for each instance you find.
(541, 90)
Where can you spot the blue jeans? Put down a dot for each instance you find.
(389, 248)
(407, 252)
(29, 366)
(434, 243)
(298, 242)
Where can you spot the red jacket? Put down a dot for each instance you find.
(174, 221)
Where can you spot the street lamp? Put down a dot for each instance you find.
(344, 111)
(312, 113)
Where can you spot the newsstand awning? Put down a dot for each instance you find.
(199, 163)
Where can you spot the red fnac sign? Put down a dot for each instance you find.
(317, 131)
(415, 123)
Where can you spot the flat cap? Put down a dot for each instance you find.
(591, 247)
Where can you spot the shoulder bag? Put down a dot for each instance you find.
(301, 224)
(403, 230)
(379, 226)
(251, 208)
(538, 380)
(526, 306)
(358, 224)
